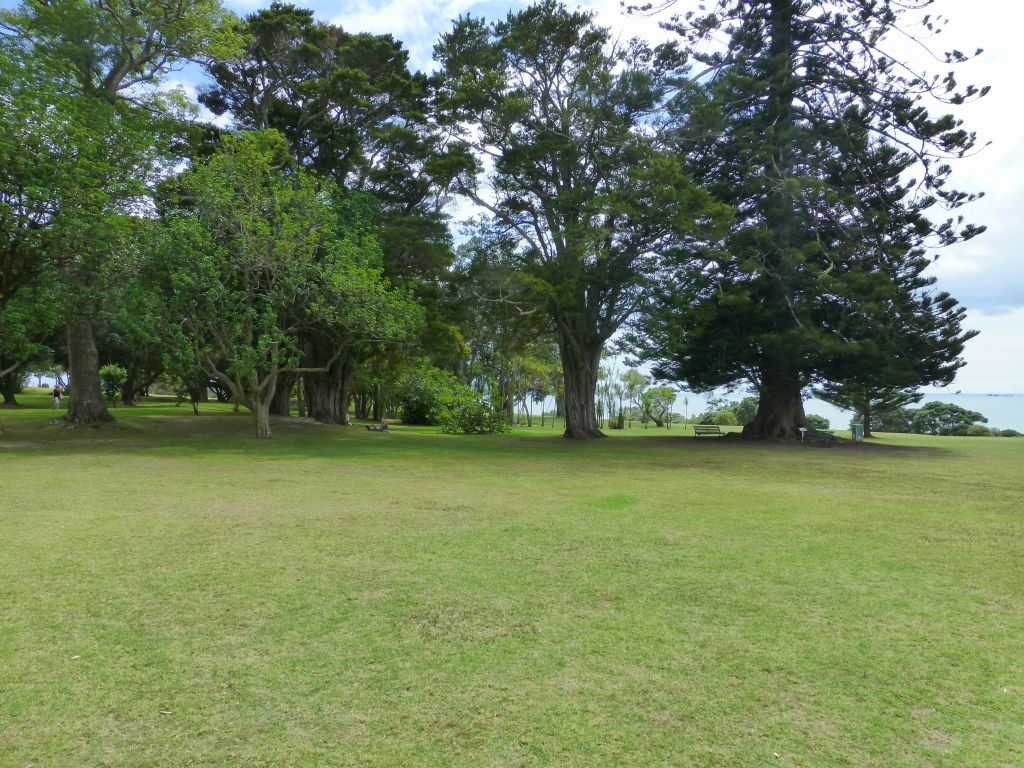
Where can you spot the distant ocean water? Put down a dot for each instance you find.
(1003, 410)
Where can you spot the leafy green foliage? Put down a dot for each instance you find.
(113, 377)
(745, 410)
(945, 419)
(420, 391)
(84, 100)
(581, 179)
(899, 420)
(115, 46)
(817, 422)
(351, 111)
(656, 405)
(254, 256)
(428, 395)
(825, 146)
(723, 419)
(460, 410)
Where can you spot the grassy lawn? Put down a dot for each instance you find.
(175, 592)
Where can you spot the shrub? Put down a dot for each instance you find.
(898, 420)
(113, 377)
(938, 418)
(460, 411)
(1008, 433)
(818, 422)
(977, 430)
(746, 410)
(420, 391)
(725, 419)
(430, 396)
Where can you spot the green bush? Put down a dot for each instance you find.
(420, 391)
(430, 396)
(899, 420)
(460, 410)
(938, 418)
(818, 422)
(1008, 433)
(725, 419)
(112, 377)
(745, 410)
(977, 430)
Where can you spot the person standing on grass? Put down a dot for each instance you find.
(57, 394)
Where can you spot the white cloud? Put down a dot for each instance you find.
(417, 23)
(994, 357)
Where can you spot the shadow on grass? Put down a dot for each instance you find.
(162, 428)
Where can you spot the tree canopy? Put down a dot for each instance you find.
(826, 147)
(562, 124)
(757, 203)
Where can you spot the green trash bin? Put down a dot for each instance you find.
(858, 432)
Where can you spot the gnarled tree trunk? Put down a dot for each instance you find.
(361, 406)
(281, 403)
(579, 369)
(261, 414)
(262, 397)
(323, 395)
(134, 384)
(780, 408)
(86, 405)
(9, 387)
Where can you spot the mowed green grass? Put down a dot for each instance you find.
(175, 592)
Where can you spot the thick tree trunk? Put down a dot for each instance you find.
(579, 368)
(300, 397)
(130, 387)
(261, 400)
(261, 413)
(348, 381)
(508, 406)
(361, 406)
(9, 387)
(780, 408)
(86, 405)
(137, 383)
(323, 395)
(867, 420)
(281, 404)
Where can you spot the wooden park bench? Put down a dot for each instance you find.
(707, 429)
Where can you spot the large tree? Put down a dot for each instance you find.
(352, 111)
(825, 145)
(563, 125)
(254, 256)
(505, 333)
(104, 59)
(907, 337)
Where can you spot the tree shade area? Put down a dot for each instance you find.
(760, 213)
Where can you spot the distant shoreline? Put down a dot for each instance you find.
(973, 394)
